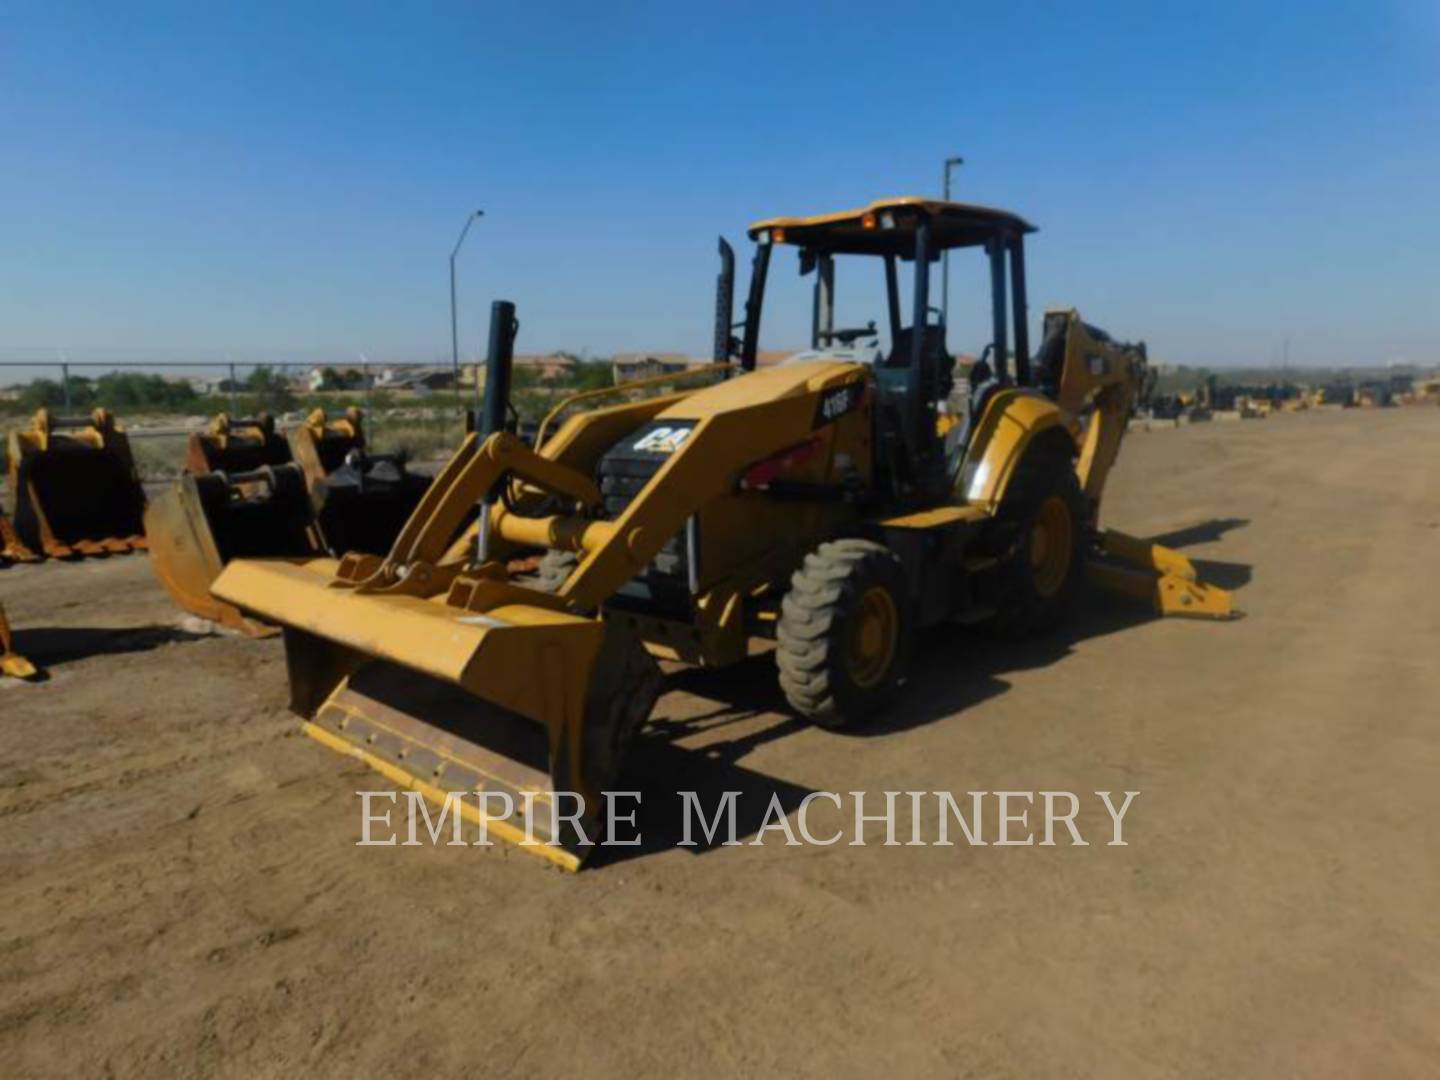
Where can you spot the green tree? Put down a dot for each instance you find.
(50, 394)
(136, 390)
(271, 389)
(591, 375)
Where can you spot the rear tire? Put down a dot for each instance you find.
(1046, 507)
(844, 633)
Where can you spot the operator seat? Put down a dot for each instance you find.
(932, 349)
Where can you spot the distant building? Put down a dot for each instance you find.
(389, 376)
(627, 367)
(541, 366)
(418, 379)
(344, 378)
(548, 366)
(207, 386)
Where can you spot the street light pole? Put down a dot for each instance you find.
(950, 163)
(454, 321)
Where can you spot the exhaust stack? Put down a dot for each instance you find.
(725, 343)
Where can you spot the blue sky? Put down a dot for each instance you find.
(286, 180)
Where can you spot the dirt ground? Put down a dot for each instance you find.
(182, 894)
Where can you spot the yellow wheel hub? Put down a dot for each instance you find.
(1052, 546)
(873, 636)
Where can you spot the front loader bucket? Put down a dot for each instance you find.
(75, 487)
(11, 662)
(203, 522)
(511, 711)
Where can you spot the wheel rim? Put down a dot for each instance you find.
(1051, 546)
(873, 635)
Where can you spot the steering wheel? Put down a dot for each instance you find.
(849, 337)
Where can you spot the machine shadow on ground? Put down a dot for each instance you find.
(49, 647)
(953, 668)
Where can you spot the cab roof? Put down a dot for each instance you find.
(887, 227)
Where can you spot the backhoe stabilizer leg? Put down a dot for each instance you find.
(1148, 555)
(1158, 575)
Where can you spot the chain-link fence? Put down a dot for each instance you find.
(160, 402)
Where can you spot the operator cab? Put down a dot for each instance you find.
(914, 374)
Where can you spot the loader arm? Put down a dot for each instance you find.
(553, 658)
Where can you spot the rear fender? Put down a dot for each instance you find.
(1014, 421)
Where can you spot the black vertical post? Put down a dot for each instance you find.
(892, 298)
(758, 271)
(498, 363)
(724, 303)
(1018, 306)
(999, 336)
(822, 310)
(497, 368)
(918, 380)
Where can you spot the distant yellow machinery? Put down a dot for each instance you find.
(1253, 408)
(1427, 392)
(74, 485)
(819, 507)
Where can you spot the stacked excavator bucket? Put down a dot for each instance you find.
(236, 446)
(247, 494)
(204, 521)
(362, 500)
(75, 489)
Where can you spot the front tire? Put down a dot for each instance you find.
(844, 633)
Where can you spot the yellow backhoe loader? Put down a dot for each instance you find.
(74, 485)
(825, 507)
(247, 493)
